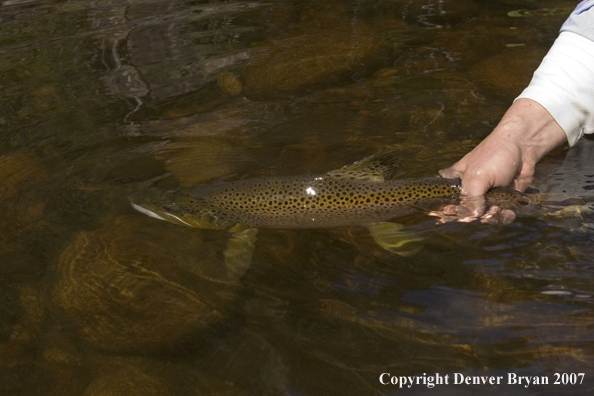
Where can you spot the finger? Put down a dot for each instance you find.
(507, 216)
(522, 183)
(450, 210)
(471, 207)
(443, 217)
(496, 215)
(491, 216)
(476, 184)
(451, 173)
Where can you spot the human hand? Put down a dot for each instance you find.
(493, 215)
(526, 133)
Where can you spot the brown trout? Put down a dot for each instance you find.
(359, 194)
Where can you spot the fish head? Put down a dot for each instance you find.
(182, 207)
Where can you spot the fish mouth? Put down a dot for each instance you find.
(144, 202)
(155, 204)
(147, 212)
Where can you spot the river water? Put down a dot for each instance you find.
(100, 99)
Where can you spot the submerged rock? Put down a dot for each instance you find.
(311, 56)
(202, 147)
(136, 285)
(509, 72)
(20, 208)
(129, 380)
(137, 376)
(20, 170)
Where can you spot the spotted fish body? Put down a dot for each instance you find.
(297, 201)
(360, 194)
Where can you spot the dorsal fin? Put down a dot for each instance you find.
(376, 168)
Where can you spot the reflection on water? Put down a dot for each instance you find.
(101, 98)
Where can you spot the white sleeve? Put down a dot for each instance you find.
(581, 20)
(564, 84)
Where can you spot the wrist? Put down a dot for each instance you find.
(532, 129)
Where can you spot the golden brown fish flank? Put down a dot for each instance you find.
(301, 201)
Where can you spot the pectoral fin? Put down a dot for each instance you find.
(390, 237)
(572, 217)
(239, 251)
(376, 168)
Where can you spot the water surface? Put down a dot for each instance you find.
(99, 99)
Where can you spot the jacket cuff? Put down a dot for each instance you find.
(564, 85)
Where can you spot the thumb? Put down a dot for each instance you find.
(451, 173)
